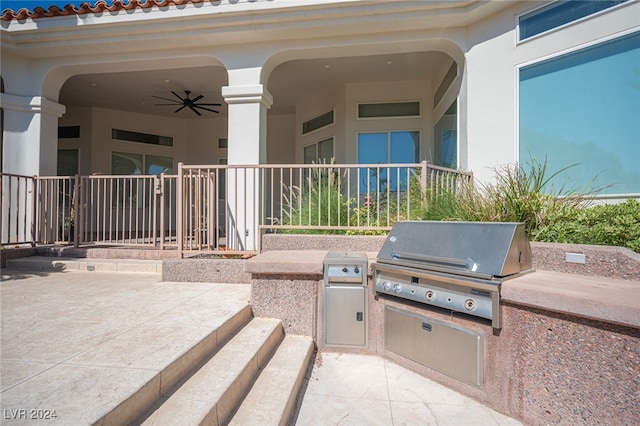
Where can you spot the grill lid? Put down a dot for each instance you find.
(496, 249)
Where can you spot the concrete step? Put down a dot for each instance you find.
(272, 399)
(53, 264)
(212, 394)
(175, 369)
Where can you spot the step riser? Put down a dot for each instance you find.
(84, 265)
(239, 388)
(212, 393)
(136, 405)
(272, 399)
(203, 350)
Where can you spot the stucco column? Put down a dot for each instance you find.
(30, 145)
(30, 142)
(247, 137)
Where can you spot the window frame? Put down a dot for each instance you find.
(317, 146)
(144, 162)
(170, 139)
(388, 133)
(310, 132)
(518, 16)
(58, 159)
(391, 117)
(557, 55)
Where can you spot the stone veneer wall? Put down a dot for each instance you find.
(570, 370)
(205, 270)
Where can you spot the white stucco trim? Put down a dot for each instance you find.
(35, 104)
(248, 94)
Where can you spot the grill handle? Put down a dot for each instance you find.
(449, 261)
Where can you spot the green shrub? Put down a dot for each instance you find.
(517, 194)
(317, 203)
(610, 224)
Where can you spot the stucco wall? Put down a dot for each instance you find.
(491, 75)
(195, 141)
(389, 92)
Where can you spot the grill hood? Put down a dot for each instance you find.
(481, 249)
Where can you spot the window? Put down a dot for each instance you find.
(389, 109)
(68, 162)
(223, 143)
(582, 109)
(222, 180)
(156, 165)
(125, 135)
(445, 139)
(559, 13)
(451, 74)
(317, 122)
(68, 132)
(384, 148)
(123, 163)
(321, 152)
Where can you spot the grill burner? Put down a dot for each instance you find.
(452, 265)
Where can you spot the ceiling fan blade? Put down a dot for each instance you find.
(206, 109)
(166, 104)
(179, 109)
(165, 99)
(194, 110)
(178, 96)
(197, 98)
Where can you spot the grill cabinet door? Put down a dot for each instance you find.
(344, 315)
(450, 349)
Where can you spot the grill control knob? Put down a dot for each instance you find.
(470, 304)
(397, 288)
(386, 286)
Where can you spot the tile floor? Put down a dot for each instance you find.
(347, 389)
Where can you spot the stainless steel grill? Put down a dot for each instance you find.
(452, 265)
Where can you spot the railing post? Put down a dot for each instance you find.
(77, 211)
(162, 217)
(179, 209)
(34, 209)
(423, 175)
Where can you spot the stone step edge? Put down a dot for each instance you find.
(272, 399)
(52, 264)
(240, 360)
(178, 370)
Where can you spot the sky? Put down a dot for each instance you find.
(31, 4)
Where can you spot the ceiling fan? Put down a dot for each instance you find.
(185, 102)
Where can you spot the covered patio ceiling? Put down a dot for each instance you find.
(297, 79)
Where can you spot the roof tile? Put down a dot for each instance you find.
(86, 8)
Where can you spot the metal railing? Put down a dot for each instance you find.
(219, 208)
(127, 210)
(357, 197)
(18, 205)
(56, 206)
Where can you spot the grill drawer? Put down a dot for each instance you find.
(452, 350)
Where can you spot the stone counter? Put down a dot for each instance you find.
(285, 285)
(601, 299)
(287, 262)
